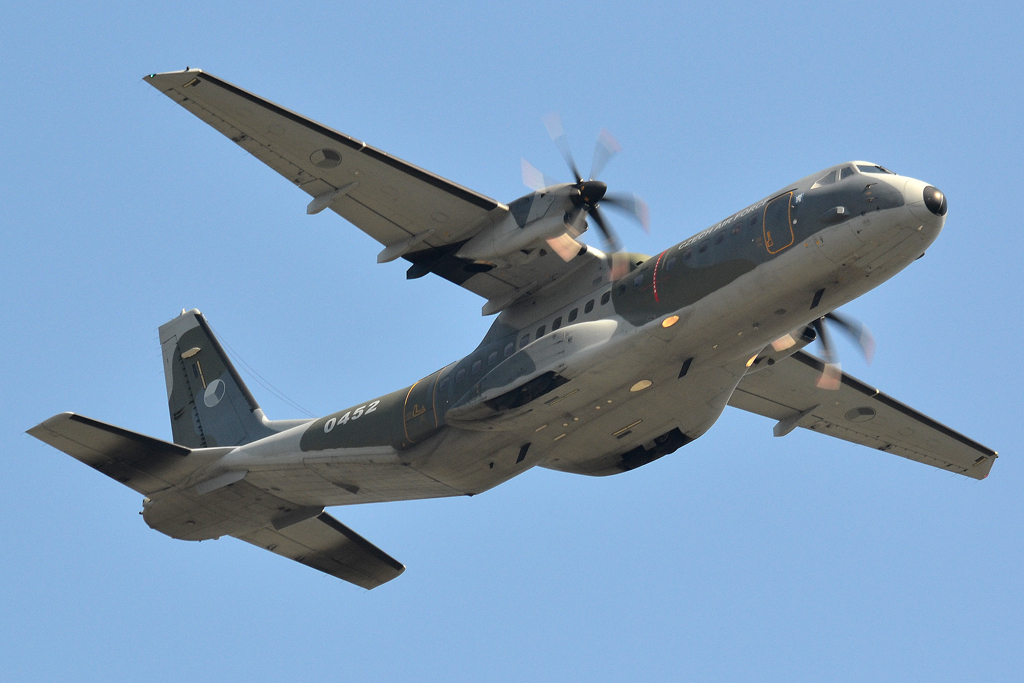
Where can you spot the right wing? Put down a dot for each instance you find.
(858, 413)
(415, 214)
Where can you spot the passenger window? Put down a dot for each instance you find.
(703, 247)
(524, 341)
(460, 375)
(556, 324)
(606, 297)
(476, 366)
(846, 172)
(687, 254)
(510, 348)
(721, 236)
(540, 332)
(736, 229)
(670, 264)
(444, 384)
(493, 358)
(638, 280)
(589, 307)
(622, 289)
(574, 313)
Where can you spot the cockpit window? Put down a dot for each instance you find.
(824, 180)
(863, 168)
(845, 172)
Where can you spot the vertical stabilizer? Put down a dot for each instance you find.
(210, 405)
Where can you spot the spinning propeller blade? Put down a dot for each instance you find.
(832, 374)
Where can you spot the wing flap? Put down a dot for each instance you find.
(138, 461)
(857, 413)
(327, 545)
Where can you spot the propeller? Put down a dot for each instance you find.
(832, 374)
(588, 195)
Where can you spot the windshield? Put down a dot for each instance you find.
(864, 168)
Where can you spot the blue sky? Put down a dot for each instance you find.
(741, 556)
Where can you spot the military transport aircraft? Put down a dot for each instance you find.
(597, 363)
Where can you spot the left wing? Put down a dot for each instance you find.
(415, 214)
(856, 412)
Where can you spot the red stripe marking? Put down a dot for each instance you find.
(656, 264)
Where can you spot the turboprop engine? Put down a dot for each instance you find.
(545, 216)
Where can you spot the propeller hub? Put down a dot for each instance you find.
(590, 192)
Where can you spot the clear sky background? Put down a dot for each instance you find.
(739, 557)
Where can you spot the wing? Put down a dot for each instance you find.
(856, 412)
(415, 214)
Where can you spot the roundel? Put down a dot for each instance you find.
(325, 158)
(214, 393)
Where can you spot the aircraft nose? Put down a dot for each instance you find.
(935, 200)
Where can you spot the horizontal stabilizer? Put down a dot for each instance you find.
(326, 544)
(140, 462)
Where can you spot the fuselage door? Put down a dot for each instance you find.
(420, 415)
(778, 223)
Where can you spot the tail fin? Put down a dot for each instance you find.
(210, 405)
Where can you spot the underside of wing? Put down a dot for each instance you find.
(327, 545)
(858, 413)
(415, 214)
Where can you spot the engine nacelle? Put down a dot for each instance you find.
(538, 217)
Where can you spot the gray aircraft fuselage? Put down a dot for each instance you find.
(629, 371)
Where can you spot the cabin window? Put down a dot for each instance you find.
(524, 341)
(638, 280)
(703, 247)
(589, 307)
(556, 324)
(687, 254)
(444, 383)
(540, 332)
(510, 348)
(476, 366)
(622, 289)
(493, 358)
(574, 313)
(605, 298)
(460, 375)
(736, 229)
(670, 264)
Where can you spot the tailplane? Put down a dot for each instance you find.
(209, 403)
